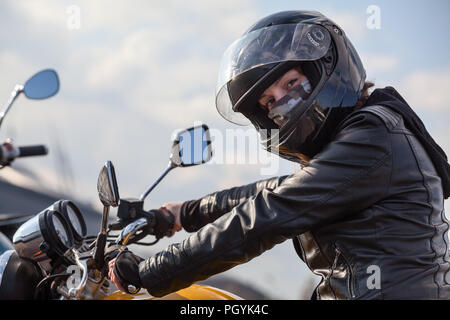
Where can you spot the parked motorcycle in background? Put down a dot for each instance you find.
(53, 258)
(42, 85)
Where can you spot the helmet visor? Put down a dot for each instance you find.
(265, 46)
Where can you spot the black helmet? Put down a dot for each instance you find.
(270, 48)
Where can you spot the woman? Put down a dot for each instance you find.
(366, 212)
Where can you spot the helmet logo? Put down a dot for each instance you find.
(316, 37)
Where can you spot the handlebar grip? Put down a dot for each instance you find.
(28, 151)
(161, 222)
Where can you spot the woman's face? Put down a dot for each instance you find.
(280, 87)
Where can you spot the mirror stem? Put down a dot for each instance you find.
(99, 254)
(14, 94)
(149, 189)
(105, 217)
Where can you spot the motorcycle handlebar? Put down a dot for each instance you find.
(29, 151)
(8, 152)
(155, 222)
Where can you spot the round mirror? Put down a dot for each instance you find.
(43, 84)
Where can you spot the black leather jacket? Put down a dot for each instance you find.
(366, 214)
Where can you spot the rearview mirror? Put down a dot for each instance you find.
(108, 192)
(107, 188)
(191, 147)
(42, 85)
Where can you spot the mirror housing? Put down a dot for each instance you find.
(107, 188)
(191, 147)
(108, 192)
(42, 85)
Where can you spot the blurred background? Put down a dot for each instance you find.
(133, 72)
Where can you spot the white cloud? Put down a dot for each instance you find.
(51, 12)
(16, 69)
(353, 24)
(428, 90)
(378, 63)
(159, 59)
(115, 65)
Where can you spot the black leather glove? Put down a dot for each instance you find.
(126, 269)
(161, 222)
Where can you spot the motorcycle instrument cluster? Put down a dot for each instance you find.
(74, 217)
(50, 233)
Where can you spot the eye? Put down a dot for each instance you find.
(291, 83)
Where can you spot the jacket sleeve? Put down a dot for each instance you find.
(350, 174)
(197, 213)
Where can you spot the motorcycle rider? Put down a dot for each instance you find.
(366, 212)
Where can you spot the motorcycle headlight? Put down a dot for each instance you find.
(44, 238)
(75, 218)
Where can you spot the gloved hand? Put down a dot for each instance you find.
(161, 222)
(124, 270)
(174, 209)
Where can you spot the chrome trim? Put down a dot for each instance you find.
(112, 182)
(132, 289)
(130, 230)
(105, 216)
(170, 166)
(27, 241)
(18, 88)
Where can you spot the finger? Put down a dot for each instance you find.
(116, 282)
(110, 269)
(118, 285)
(110, 275)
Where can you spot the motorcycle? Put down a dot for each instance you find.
(42, 85)
(53, 258)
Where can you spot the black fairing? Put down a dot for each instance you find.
(20, 279)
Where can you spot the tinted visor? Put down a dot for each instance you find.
(262, 47)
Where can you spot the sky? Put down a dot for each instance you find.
(134, 72)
